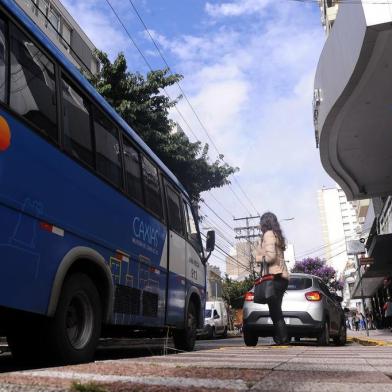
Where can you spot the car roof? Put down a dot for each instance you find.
(303, 275)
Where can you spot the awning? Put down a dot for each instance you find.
(380, 249)
(370, 285)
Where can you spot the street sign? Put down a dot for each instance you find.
(366, 260)
(355, 247)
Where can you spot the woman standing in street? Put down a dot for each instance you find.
(271, 251)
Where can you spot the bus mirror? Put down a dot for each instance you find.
(210, 242)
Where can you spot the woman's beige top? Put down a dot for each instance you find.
(273, 254)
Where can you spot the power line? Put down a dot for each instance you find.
(221, 219)
(187, 100)
(231, 257)
(225, 209)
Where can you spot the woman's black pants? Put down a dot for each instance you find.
(275, 308)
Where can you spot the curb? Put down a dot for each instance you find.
(369, 342)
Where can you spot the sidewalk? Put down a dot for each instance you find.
(377, 337)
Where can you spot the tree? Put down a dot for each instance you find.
(318, 267)
(140, 102)
(233, 291)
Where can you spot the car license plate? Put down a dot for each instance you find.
(286, 320)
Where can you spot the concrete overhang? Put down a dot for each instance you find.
(369, 287)
(353, 100)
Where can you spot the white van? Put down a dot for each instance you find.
(215, 319)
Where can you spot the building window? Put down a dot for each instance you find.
(33, 86)
(66, 36)
(43, 6)
(54, 20)
(77, 132)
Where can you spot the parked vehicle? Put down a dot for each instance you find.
(215, 320)
(310, 309)
(97, 235)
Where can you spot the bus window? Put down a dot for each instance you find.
(3, 62)
(174, 211)
(108, 160)
(193, 234)
(133, 171)
(151, 187)
(33, 86)
(77, 132)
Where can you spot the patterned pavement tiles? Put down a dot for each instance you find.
(229, 368)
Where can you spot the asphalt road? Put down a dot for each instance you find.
(223, 364)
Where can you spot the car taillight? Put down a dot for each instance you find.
(313, 296)
(249, 296)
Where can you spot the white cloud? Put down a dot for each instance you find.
(100, 25)
(236, 8)
(252, 89)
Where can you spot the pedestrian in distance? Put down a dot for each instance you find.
(388, 313)
(270, 251)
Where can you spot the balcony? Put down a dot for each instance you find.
(352, 100)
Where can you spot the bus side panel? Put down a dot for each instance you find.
(38, 183)
(176, 282)
(196, 277)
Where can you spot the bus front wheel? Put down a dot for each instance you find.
(184, 339)
(74, 331)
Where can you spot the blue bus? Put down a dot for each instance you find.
(97, 236)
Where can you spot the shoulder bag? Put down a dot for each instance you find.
(264, 286)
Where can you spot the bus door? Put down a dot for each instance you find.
(176, 287)
(195, 269)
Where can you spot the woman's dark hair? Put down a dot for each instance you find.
(269, 221)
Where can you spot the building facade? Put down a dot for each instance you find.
(351, 112)
(339, 223)
(214, 283)
(61, 28)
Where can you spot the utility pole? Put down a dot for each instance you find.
(251, 231)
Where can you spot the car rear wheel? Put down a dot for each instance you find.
(341, 339)
(224, 335)
(323, 339)
(250, 339)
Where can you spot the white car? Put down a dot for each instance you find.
(309, 310)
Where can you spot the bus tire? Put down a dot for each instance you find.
(74, 331)
(184, 339)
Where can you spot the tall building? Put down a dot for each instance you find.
(238, 266)
(61, 28)
(339, 223)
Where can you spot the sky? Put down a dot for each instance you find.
(248, 68)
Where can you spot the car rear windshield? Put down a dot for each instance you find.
(299, 283)
(207, 313)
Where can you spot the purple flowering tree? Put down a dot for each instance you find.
(318, 267)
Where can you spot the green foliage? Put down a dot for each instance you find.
(140, 102)
(233, 291)
(87, 387)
